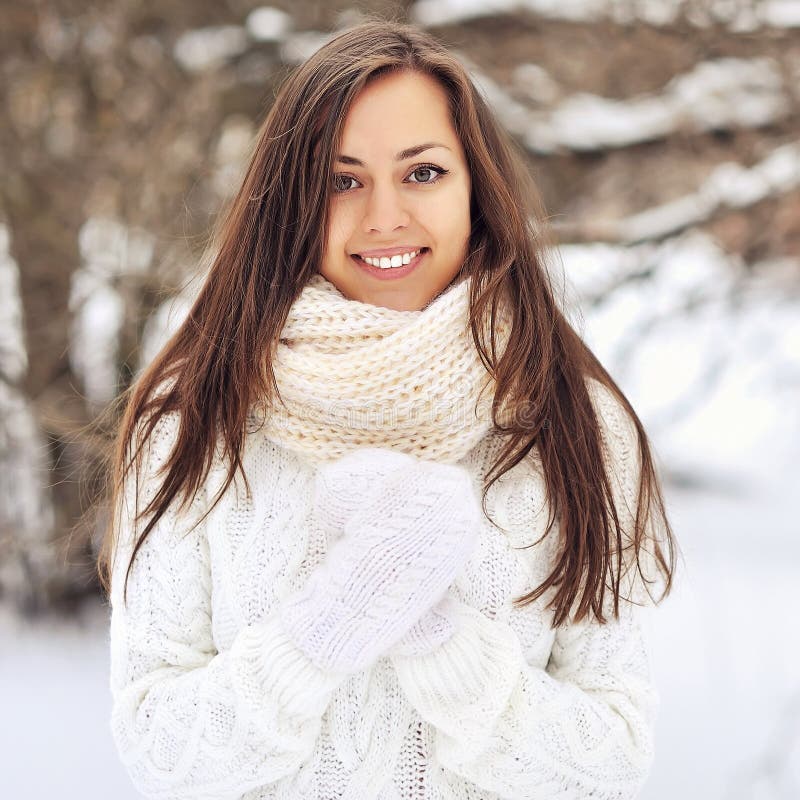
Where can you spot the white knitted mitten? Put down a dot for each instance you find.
(399, 553)
(433, 629)
(344, 486)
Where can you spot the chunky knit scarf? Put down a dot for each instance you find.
(352, 374)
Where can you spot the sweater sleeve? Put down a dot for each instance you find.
(188, 721)
(582, 726)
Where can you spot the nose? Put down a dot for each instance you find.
(385, 209)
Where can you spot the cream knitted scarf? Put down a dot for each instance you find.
(352, 374)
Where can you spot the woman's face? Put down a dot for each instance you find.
(400, 186)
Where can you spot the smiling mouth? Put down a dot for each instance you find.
(391, 262)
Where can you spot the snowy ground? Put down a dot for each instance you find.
(725, 646)
(726, 650)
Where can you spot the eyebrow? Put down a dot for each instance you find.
(409, 152)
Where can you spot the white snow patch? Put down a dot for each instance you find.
(729, 185)
(738, 17)
(52, 672)
(725, 93)
(110, 248)
(300, 46)
(208, 48)
(231, 154)
(268, 24)
(98, 313)
(536, 83)
(708, 352)
(780, 13)
(730, 92)
(588, 122)
(111, 253)
(13, 353)
(161, 325)
(26, 510)
(447, 12)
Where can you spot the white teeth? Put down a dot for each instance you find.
(394, 261)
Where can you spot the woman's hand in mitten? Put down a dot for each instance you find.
(343, 486)
(397, 557)
(431, 631)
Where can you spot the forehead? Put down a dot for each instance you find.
(398, 110)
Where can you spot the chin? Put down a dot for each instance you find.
(408, 298)
(394, 303)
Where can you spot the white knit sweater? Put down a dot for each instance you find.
(212, 700)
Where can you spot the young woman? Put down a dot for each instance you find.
(384, 526)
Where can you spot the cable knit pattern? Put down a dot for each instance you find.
(211, 699)
(397, 558)
(354, 374)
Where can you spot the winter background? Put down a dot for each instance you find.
(664, 138)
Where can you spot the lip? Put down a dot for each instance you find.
(392, 273)
(397, 250)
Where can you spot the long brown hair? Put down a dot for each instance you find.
(268, 244)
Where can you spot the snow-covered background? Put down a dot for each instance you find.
(665, 136)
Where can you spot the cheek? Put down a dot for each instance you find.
(340, 224)
(452, 219)
(453, 210)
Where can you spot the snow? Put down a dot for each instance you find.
(26, 511)
(98, 311)
(738, 17)
(725, 654)
(267, 24)
(730, 92)
(445, 12)
(54, 689)
(13, 355)
(724, 93)
(207, 48)
(299, 46)
(110, 249)
(728, 185)
(161, 324)
(588, 122)
(536, 83)
(231, 154)
(110, 253)
(708, 352)
(780, 13)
